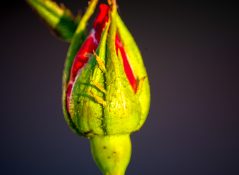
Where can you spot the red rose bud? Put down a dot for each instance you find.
(107, 95)
(90, 97)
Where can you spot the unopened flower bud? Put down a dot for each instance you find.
(107, 94)
(108, 91)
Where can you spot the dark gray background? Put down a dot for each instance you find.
(191, 51)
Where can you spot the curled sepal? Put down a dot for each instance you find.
(59, 19)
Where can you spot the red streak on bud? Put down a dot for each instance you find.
(89, 45)
(81, 58)
(127, 68)
(101, 20)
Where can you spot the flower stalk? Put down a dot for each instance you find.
(58, 18)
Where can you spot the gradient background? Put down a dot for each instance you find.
(191, 51)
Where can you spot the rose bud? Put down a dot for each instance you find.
(106, 92)
(106, 95)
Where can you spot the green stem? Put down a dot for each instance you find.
(111, 153)
(58, 18)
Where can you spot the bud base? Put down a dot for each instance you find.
(111, 153)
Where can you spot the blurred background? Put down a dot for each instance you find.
(191, 52)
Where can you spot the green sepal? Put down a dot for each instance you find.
(59, 19)
(137, 65)
(122, 111)
(76, 42)
(87, 102)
